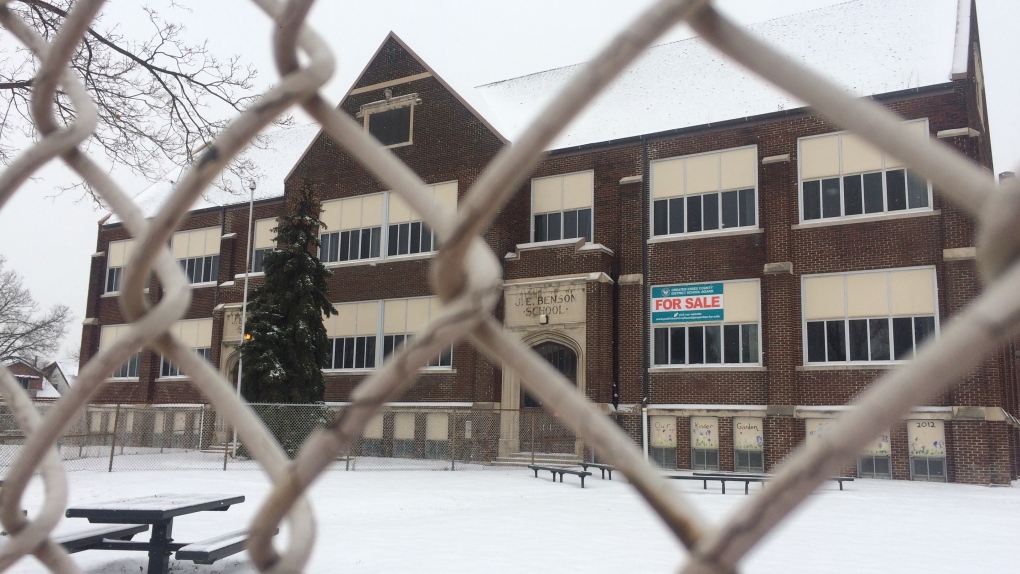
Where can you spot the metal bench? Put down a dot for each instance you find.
(603, 467)
(722, 479)
(212, 549)
(96, 536)
(560, 471)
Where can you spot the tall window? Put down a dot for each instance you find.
(844, 176)
(378, 226)
(365, 333)
(748, 447)
(108, 335)
(562, 206)
(407, 234)
(706, 324)
(391, 121)
(705, 443)
(196, 334)
(169, 369)
(263, 242)
(873, 316)
(198, 254)
(705, 192)
(117, 256)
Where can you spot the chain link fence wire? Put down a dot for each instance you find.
(467, 277)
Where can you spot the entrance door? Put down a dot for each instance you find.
(550, 435)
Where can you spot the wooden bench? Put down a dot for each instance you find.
(560, 471)
(95, 537)
(603, 467)
(722, 479)
(212, 549)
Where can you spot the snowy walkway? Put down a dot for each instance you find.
(508, 521)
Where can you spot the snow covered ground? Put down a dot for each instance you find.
(506, 520)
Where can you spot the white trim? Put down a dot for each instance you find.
(961, 46)
(708, 407)
(709, 368)
(869, 218)
(390, 83)
(968, 132)
(705, 234)
(783, 158)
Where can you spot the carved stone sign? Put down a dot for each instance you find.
(560, 301)
(232, 324)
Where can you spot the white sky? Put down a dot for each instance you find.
(49, 239)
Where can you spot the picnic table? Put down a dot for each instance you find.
(158, 511)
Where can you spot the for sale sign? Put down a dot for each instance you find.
(696, 302)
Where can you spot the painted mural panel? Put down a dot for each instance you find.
(705, 432)
(663, 431)
(747, 433)
(926, 438)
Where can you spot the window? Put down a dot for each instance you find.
(875, 460)
(169, 369)
(662, 442)
(128, 370)
(705, 443)
(748, 445)
(352, 353)
(391, 121)
(926, 442)
(108, 335)
(358, 341)
(198, 253)
(705, 192)
(354, 226)
(201, 269)
(881, 316)
(393, 343)
(118, 253)
(562, 206)
(403, 435)
(843, 176)
(196, 334)
(25, 382)
(263, 242)
(437, 436)
(702, 324)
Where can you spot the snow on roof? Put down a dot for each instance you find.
(48, 391)
(69, 368)
(272, 159)
(867, 46)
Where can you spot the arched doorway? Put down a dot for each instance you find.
(542, 430)
(562, 358)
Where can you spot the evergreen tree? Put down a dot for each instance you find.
(283, 358)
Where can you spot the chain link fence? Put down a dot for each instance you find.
(135, 437)
(467, 278)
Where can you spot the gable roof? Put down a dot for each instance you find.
(867, 46)
(469, 97)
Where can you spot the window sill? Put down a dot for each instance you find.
(410, 256)
(426, 370)
(705, 235)
(251, 275)
(112, 294)
(172, 379)
(122, 379)
(202, 285)
(848, 367)
(867, 218)
(707, 369)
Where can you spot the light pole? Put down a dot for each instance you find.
(244, 300)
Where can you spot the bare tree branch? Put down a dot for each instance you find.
(159, 98)
(23, 332)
